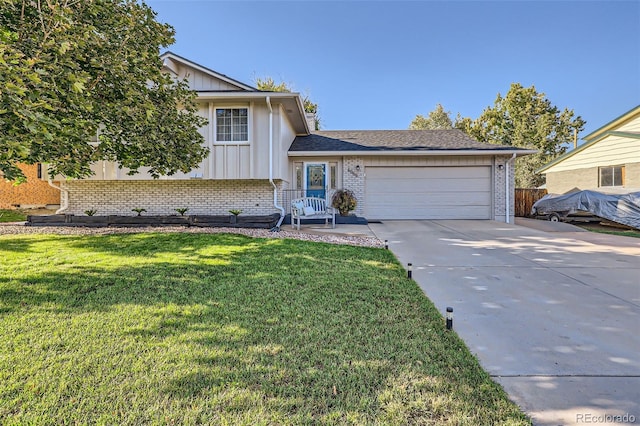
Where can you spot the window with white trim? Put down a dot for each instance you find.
(611, 176)
(232, 124)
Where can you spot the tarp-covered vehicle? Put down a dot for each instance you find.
(620, 208)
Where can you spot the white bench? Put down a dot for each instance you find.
(311, 208)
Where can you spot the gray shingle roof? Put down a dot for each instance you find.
(392, 140)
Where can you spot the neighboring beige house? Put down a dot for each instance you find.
(263, 153)
(34, 193)
(609, 160)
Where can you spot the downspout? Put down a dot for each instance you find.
(507, 208)
(275, 188)
(64, 196)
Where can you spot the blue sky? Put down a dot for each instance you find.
(376, 64)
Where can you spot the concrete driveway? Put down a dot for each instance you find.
(554, 317)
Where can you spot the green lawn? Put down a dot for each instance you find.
(603, 229)
(156, 328)
(12, 216)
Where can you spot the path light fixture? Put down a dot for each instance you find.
(449, 318)
(386, 244)
(409, 272)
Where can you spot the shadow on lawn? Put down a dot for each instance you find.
(281, 326)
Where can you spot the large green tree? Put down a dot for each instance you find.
(268, 84)
(437, 119)
(71, 68)
(525, 118)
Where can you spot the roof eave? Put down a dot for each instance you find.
(208, 71)
(584, 146)
(378, 153)
(212, 94)
(614, 123)
(291, 101)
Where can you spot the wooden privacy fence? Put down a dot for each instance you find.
(525, 198)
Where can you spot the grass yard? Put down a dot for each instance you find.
(605, 229)
(12, 216)
(156, 328)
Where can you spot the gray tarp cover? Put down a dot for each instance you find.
(621, 208)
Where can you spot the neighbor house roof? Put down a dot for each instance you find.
(595, 136)
(389, 142)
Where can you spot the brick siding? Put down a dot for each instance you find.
(354, 180)
(587, 178)
(499, 199)
(561, 182)
(163, 197)
(33, 193)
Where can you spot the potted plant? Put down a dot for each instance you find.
(344, 201)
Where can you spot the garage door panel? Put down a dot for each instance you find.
(424, 185)
(428, 192)
(441, 172)
(475, 212)
(462, 198)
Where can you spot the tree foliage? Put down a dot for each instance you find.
(437, 119)
(267, 84)
(69, 68)
(525, 118)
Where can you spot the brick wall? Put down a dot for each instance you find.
(163, 197)
(561, 182)
(499, 195)
(632, 175)
(354, 180)
(33, 193)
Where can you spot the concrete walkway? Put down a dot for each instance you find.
(554, 317)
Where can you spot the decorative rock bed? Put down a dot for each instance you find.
(20, 229)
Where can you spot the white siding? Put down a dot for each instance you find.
(201, 81)
(286, 135)
(631, 126)
(611, 150)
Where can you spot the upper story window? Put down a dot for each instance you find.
(232, 125)
(612, 176)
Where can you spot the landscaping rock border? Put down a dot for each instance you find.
(333, 238)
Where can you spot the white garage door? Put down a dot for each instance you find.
(428, 193)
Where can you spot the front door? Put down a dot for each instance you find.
(316, 180)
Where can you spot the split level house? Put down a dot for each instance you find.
(608, 161)
(264, 152)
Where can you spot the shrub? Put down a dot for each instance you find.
(344, 201)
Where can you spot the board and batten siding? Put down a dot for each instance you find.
(200, 81)
(227, 160)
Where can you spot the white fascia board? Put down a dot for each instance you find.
(403, 153)
(204, 95)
